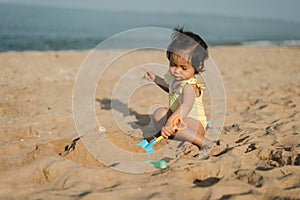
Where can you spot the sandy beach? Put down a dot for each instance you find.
(258, 156)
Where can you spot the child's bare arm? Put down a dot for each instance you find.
(182, 111)
(161, 83)
(156, 79)
(188, 100)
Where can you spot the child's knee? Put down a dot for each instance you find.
(160, 114)
(194, 124)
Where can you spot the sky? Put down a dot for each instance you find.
(287, 10)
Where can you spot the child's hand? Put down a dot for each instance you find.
(148, 75)
(167, 130)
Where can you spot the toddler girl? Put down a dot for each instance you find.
(186, 54)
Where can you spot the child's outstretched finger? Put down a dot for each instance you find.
(145, 70)
(148, 75)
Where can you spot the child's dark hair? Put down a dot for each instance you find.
(190, 43)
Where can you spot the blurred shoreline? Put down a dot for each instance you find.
(32, 27)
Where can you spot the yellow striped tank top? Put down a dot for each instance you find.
(175, 98)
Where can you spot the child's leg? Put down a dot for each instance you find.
(159, 118)
(194, 132)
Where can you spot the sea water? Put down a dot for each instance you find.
(28, 27)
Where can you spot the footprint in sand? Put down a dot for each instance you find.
(279, 157)
(232, 128)
(250, 176)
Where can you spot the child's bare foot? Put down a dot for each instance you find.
(205, 149)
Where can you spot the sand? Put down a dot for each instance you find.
(258, 156)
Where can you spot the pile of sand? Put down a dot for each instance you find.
(258, 156)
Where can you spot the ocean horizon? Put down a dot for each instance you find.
(41, 28)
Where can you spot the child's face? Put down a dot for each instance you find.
(180, 68)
